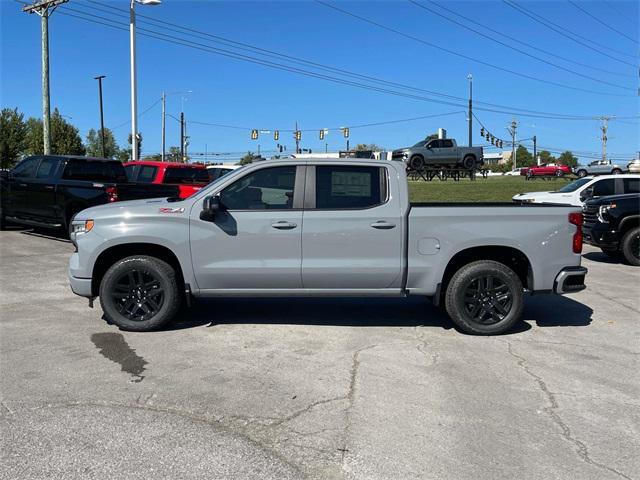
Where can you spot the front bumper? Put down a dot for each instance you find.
(80, 286)
(570, 280)
(601, 237)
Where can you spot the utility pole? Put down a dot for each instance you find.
(164, 119)
(297, 141)
(470, 78)
(45, 9)
(182, 136)
(512, 131)
(535, 150)
(604, 128)
(99, 78)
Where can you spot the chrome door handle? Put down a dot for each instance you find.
(382, 225)
(48, 187)
(284, 225)
(22, 184)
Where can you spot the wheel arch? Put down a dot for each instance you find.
(509, 256)
(628, 223)
(117, 252)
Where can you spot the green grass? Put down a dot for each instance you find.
(492, 189)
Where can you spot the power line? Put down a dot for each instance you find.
(148, 109)
(273, 54)
(564, 32)
(586, 12)
(209, 49)
(466, 57)
(529, 45)
(622, 15)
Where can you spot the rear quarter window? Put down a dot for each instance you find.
(631, 185)
(94, 171)
(186, 175)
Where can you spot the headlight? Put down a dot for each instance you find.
(81, 226)
(603, 212)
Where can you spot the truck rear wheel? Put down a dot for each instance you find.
(616, 171)
(469, 162)
(630, 246)
(140, 293)
(484, 298)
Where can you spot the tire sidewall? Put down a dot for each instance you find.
(166, 277)
(416, 162)
(581, 173)
(456, 290)
(469, 162)
(627, 239)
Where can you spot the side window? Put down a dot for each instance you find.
(94, 171)
(47, 168)
(146, 174)
(434, 144)
(131, 172)
(604, 187)
(339, 187)
(265, 189)
(631, 185)
(446, 143)
(26, 168)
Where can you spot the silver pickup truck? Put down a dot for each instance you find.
(443, 152)
(600, 167)
(323, 227)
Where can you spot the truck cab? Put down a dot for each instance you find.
(189, 178)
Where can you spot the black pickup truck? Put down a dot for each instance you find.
(48, 190)
(612, 223)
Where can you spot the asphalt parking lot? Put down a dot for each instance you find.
(366, 389)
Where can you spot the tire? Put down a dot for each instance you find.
(616, 171)
(581, 173)
(630, 246)
(135, 286)
(416, 162)
(469, 162)
(559, 173)
(471, 284)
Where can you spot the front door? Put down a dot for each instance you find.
(352, 233)
(255, 241)
(19, 182)
(42, 190)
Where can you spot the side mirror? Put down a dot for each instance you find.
(210, 207)
(586, 194)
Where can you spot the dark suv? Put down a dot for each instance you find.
(613, 224)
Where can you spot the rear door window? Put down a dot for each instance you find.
(350, 187)
(146, 174)
(47, 168)
(604, 187)
(94, 171)
(631, 185)
(446, 143)
(186, 175)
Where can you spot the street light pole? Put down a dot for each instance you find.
(470, 78)
(99, 78)
(164, 119)
(134, 86)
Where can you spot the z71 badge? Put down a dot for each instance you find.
(171, 210)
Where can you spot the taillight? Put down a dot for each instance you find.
(577, 219)
(112, 193)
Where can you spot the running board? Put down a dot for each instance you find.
(34, 223)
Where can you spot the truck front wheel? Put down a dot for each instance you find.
(630, 246)
(140, 293)
(484, 298)
(416, 162)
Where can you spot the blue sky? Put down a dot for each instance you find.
(233, 92)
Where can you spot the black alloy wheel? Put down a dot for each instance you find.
(488, 300)
(138, 295)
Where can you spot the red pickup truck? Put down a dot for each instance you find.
(546, 170)
(187, 177)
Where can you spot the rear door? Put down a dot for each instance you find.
(255, 242)
(42, 190)
(604, 187)
(448, 152)
(352, 231)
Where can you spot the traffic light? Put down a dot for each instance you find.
(487, 136)
(482, 131)
(493, 140)
(276, 135)
(254, 134)
(298, 135)
(345, 132)
(322, 134)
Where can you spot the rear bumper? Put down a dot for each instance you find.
(570, 280)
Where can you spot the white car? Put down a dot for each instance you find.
(575, 193)
(219, 170)
(513, 172)
(634, 166)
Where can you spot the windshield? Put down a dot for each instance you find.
(419, 144)
(573, 186)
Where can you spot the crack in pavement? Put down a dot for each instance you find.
(433, 357)
(581, 448)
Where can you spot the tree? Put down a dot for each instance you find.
(567, 158)
(13, 134)
(174, 154)
(546, 157)
(369, 146)
(94, 144)
(248, 158)
(65, 139)
(523, 157)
